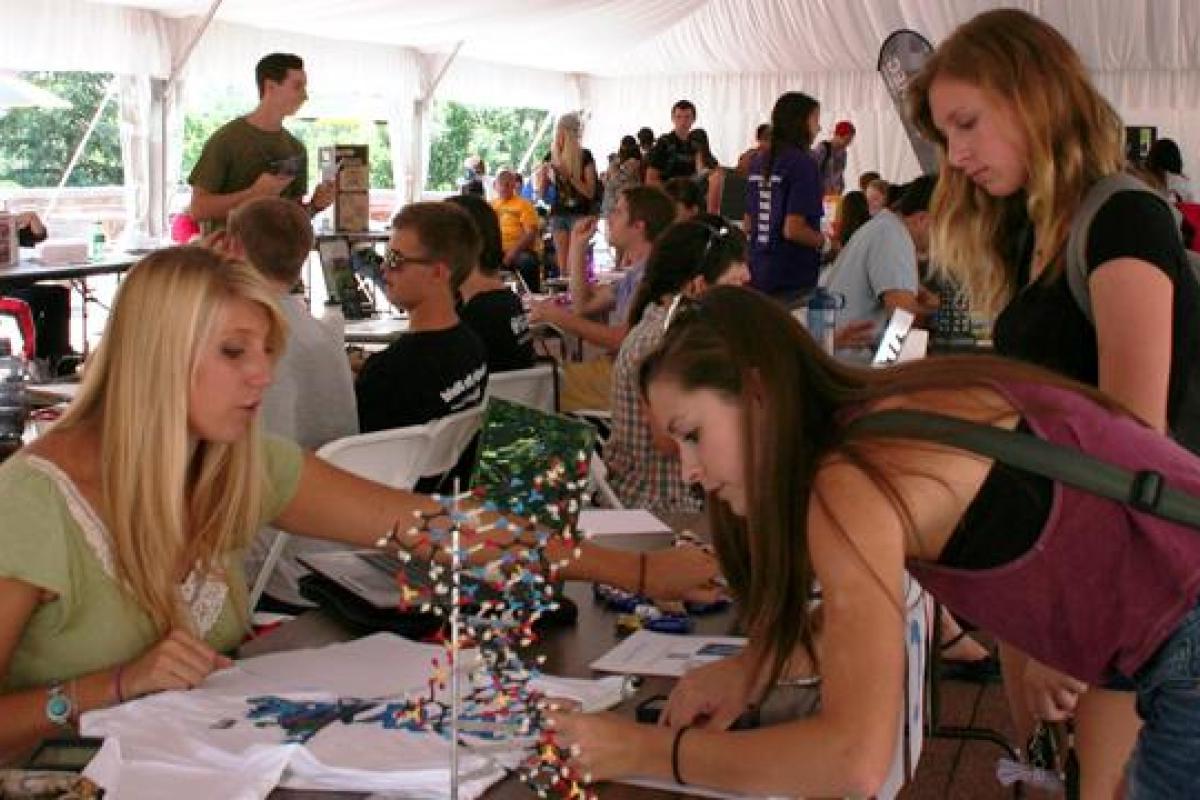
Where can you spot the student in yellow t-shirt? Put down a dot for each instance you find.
(520, 230)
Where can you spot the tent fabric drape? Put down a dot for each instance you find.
(136, 130)
(73, 35)
(624, 62)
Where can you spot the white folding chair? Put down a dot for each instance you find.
(448, 438)
(536, 387)
(598, 484)
(394, 457)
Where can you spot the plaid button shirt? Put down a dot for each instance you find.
(641, 476)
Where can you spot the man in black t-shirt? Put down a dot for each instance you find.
(673, 155)
(439, 366)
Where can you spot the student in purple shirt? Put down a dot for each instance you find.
(784, 203)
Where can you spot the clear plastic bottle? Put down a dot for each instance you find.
(14, 397)
(821, 316)
(96, 242)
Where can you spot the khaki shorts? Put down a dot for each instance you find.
(587, 384)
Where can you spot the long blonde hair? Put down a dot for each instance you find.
(168, 501)
(1073, 136)
(566, 147)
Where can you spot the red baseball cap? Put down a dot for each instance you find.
(844, 128)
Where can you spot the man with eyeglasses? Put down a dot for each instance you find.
(439, 366)
(255, 156)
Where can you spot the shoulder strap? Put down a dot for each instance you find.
(1081, 223)
(1146, 491)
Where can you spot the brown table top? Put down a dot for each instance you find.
(568, 650)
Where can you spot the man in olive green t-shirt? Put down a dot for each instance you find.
(255, 156)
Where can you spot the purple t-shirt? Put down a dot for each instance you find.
(779, 266)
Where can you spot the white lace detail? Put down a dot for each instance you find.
(204, 599)
(203, 596)
(81, 510)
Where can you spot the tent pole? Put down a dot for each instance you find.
(419, 151)
(83, 140)
(167, 102)
(533, 143)
(442, 72)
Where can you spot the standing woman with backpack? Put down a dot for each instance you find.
(1029, 151)
(572, 170)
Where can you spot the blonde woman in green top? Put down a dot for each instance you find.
(123, 528)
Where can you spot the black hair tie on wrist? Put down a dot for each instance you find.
(675, 754)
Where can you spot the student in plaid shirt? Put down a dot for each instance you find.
(687, 259)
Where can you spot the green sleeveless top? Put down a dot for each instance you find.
(52, 538)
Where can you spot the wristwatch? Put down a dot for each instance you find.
(58, 705)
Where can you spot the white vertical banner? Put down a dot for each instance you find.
(910, 739)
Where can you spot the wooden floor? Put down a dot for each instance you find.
(951, 768)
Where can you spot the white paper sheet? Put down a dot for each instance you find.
(595, 522)
(652, 653)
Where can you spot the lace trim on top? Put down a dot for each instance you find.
(202, 595)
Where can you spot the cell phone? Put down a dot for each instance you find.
(285, 167)
(65, 754)
(649, 710)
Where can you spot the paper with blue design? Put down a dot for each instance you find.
(309, 719)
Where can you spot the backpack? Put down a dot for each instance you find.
(1146, 491)
(826, 154)
(1185, 427)
(1097, 196)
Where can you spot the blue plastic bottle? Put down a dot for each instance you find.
(823, 306)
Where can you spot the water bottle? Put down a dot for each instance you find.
(14, 397)
(96, 242)
(823, 306)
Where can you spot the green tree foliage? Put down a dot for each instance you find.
(316, 133)
(37, 143)
(500, 136)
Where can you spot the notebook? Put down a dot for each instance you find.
(517, 446)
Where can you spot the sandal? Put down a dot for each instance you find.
(979, 670)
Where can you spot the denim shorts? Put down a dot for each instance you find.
(1166, 760)
(564, 222)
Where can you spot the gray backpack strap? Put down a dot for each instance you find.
(1081, 223)
(1146, 491)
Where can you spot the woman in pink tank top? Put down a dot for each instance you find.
(797, 496)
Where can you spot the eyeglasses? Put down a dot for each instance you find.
(396, 260)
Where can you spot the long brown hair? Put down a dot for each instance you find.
(687, 250)
(1074, 138)
(798, 418)
(789, 126)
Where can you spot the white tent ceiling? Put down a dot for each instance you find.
(622, 37)
(623, 61)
